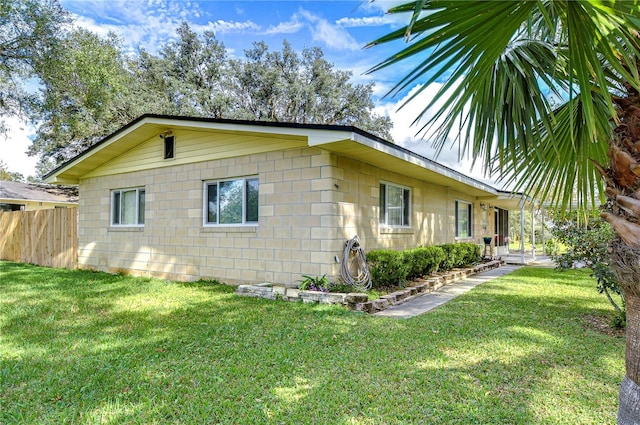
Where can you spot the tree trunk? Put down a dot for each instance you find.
(622, 211)
(629, 401)
(629, 409)
(625, 264)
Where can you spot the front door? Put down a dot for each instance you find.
(501, 238)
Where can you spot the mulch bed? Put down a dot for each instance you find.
(603, 324)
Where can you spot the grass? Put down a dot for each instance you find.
(80, 347)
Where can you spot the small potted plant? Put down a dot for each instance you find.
(315, 283)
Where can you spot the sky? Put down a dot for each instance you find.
(340, 28)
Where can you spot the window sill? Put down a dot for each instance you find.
(396, 231)
(229, 229)
(126, 229)
(469, 239)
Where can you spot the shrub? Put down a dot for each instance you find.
(450, 259)
(551, 248)
(388, 268)
(470, 254)
(423, 261)
(459, 255)
(586, 245)
(392, 268)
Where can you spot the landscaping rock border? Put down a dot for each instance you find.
(358, 301)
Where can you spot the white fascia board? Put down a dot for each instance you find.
(90, 152)
(413, 158)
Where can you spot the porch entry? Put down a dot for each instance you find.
(501, 226)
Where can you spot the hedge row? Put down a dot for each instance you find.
(393, 268)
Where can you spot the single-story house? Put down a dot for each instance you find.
(244, 201)
(18, 196)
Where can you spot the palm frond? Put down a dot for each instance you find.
(562, 171)
(503, 64)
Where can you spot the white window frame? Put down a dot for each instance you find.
(205, 199)
(469, 210)
(406, 205)
(137, 207)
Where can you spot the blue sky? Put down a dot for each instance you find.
(339, 28)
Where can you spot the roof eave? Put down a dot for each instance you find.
(346, 140)
(386, 152)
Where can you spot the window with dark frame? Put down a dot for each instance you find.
(395, 205)
(233, 201)
(464, 219)
(11, 207)
(169, 147)
(127, 207)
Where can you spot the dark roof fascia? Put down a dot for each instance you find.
(272, 124)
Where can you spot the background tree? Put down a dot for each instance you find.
(5, 174)
(501, 63)
(188, 77)
(85, 94)
(586, 246)
(29, 29)
(287, 87)
(90, 88)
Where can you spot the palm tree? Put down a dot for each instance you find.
(546, 89)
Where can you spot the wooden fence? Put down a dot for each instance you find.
(43, 237)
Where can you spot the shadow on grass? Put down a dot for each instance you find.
(83, 347)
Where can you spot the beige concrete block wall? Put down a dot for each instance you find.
(432, 209)
(295, 222)
(311, 202)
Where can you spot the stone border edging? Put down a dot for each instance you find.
(358, 301)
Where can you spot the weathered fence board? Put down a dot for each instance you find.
(43, 237)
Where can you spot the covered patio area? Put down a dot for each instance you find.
(501, 206)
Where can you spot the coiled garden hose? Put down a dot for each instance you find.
(354, 269)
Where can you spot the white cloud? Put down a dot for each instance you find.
(410, 135)
(330, 35)
(14, 146)
(148, 25)
(370, 21)
(225, 27)
(149, 35)
(289, 27)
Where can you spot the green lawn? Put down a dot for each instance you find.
(92, 348)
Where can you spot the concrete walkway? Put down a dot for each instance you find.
(427, 302)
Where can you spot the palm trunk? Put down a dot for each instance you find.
(629, 401)
(625, 264)
(622, 211)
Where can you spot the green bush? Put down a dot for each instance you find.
(550, 247)
(423, 261)
(388, 268)
(393, 268)
(470, 254)
(450, 259)
(458, 255)
(587, 244)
